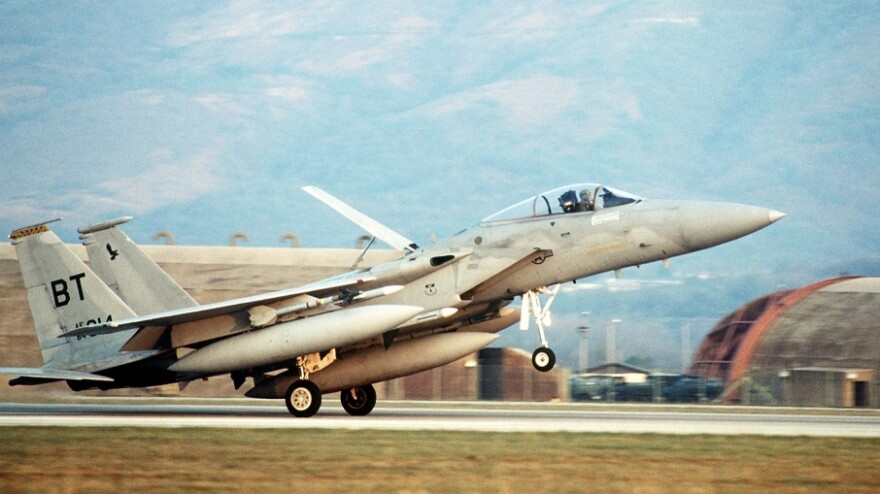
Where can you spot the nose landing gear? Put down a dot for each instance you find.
(543, 359)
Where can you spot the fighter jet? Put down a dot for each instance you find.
(126, 323)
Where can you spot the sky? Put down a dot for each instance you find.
(206, 118)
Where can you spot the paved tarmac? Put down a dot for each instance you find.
(171, 413)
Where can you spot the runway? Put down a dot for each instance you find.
(401, 416)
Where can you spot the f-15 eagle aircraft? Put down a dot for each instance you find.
(125, 323)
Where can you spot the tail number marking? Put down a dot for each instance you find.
(61, 289)
(91, 322)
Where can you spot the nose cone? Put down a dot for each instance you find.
(705, 224)
(776, 216)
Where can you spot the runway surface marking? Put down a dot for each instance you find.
(513, 419)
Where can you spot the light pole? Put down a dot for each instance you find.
(583, 351)
(685, 346)
(610, 341)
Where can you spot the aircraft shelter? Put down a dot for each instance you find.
(814, 346)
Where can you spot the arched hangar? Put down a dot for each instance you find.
(814, 346)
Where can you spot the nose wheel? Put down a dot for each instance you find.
(543, 359)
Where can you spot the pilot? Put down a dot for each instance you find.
(568, 201)
(586, 203)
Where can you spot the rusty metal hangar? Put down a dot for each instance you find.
(814, 346)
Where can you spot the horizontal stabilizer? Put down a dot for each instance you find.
(372, 226)
(53, 374)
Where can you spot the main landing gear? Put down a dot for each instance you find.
(358, 401)
(543, 359)
(303, 399)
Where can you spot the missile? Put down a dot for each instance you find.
(378, 292)
(262, 316)
(367, 295)
(377, 364)
(295, 338)
(431, 316)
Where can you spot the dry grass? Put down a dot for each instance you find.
(65, 460)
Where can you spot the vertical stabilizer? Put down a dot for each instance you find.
(64, 294)
(128, 271)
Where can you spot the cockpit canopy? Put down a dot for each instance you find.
(568, 199)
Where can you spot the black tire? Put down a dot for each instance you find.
(543, 359)
(303, 398)
(358, 401)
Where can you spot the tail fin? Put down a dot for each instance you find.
(126, 269)
(63, 294)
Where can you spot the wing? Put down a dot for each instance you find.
(191, 314)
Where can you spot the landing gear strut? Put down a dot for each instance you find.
(303, 397)
(359, 401)
(543, 359)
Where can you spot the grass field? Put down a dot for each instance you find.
(73, 460)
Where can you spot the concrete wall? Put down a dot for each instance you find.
(813, 387)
